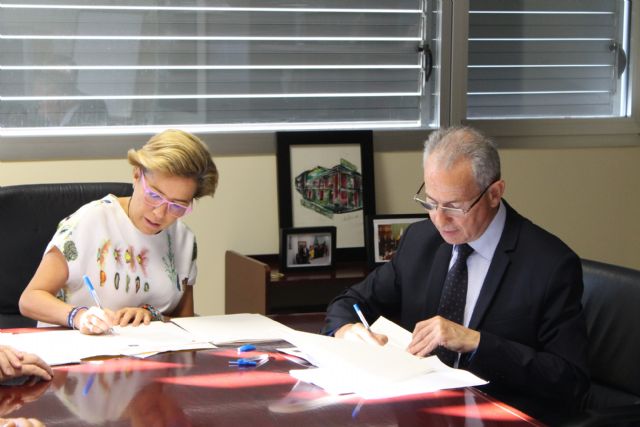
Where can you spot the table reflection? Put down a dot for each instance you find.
(123, 389)
(201, 388)
(12, 398)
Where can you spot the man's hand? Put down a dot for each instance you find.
(133, 316)
(357, 332)
(15, 363)
(438, 331)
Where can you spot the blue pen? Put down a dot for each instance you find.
(89, 383)
(247, 362)
(243, 363)
(94, 294)
(361, 316)
(246, 347)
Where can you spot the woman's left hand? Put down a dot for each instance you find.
(133, 316)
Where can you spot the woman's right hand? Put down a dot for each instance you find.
(94, 321)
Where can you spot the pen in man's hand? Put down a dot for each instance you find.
(361, 316)
(94, 295)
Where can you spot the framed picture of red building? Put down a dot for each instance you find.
(326, 179)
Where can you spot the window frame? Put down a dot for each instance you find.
(520, 133)
(572, 131)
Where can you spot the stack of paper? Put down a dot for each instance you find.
(371, 371)
(62, 347)
(233, 328)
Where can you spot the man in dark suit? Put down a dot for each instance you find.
(522, 328)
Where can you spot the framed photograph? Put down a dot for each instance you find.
(325, 179)
(307, 248)
(384, 233)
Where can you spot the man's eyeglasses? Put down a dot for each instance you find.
(154, 199)
(447, 210)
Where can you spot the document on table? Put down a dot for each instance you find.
(233, 328)
(375, 371)
(62, 347)
(398, 336)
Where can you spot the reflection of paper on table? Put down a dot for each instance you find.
(61, 347)
(233, 327)
(372, 371)
(305, 397)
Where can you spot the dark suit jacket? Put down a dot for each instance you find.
(533, 342)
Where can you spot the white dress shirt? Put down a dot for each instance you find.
(479, 261)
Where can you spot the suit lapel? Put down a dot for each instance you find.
(435, 280)
(498, 267)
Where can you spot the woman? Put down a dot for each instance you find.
(139, 256)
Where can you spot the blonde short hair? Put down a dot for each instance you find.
(178, 153)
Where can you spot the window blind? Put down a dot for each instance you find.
(547, 58)
(238, 65)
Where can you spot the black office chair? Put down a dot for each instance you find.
(29, 215)
(611, 303)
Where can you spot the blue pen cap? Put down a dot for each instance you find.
(246, 347)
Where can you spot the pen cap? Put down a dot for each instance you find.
(87, 282)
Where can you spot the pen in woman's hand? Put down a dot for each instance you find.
(94, 295)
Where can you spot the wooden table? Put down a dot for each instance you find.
(199, 388)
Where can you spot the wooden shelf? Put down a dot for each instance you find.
(254, 284)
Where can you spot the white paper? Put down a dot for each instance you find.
(363, 363)
(233, 327)
(372, 371)
(439, 379)
(70, 346)
(398, 336)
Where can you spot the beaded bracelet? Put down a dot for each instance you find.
(155, 314)
(72, 315)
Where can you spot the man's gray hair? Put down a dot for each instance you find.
(463, 142)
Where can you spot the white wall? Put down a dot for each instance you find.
(587, 196)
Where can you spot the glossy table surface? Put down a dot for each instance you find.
(200, 388)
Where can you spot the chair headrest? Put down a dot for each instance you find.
(29, 215)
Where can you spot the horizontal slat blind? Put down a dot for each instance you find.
(545, 58)
(228, 65)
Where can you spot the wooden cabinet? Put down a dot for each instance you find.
(253, 284)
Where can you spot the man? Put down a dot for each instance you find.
(520, 324)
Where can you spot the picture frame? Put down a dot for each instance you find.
(325, 178)
(384, 233)
(307, 248)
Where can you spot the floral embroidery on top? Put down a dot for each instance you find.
(70, 251)
(142, 259)
(102, 255)
(170, 263)
(117, 256)
(129, 258)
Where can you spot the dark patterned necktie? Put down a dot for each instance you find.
(454, 297)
